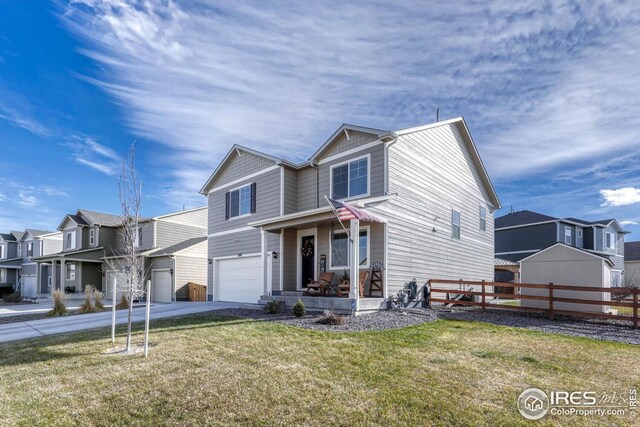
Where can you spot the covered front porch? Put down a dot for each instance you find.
(302, 248)
(70, 273)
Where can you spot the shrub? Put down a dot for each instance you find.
(86, 306)
(331, 318)
(13, 297)
(123, 304)
(274, 307)
(298, 309)
(98, 298)
(59, 309)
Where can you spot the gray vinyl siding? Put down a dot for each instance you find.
(160, 263)
(267, 203)
(79, 234)
(561, 231)
(290, 252)
(273, 244)
(29, 269)
(533, 237)
(90, 275)
(168, 233)
(376, 168)
(432, 172)
(356, 139)
(189, 269)
(107, 238)
(51, 246)
(290, 191)
(241, 166)
(306, 189)
(147, 237)
(599, 236)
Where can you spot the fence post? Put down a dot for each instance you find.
(483, 297)
(550, 300)
(425, 293)
(635, 307)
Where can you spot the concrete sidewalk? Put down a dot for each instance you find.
(80, 322)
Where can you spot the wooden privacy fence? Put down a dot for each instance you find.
(550, 311)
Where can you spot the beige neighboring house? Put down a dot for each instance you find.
(632, 263)
(562, 264)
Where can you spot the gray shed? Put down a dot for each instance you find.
(562, 264)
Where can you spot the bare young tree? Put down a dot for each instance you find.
(126, 259)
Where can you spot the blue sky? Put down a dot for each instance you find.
(550, 91)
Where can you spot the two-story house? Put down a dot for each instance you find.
(173, 245)
(175, 250)
(18, 253)
(523, 233)
(425, 189)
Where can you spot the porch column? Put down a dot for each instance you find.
(63, 274)
(354, 291)
(54, 275)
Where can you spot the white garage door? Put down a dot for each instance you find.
(29, 286)
(239, 279)
(161, 287)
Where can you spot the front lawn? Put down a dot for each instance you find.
(210, 370)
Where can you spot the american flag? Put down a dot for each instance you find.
(347, 213)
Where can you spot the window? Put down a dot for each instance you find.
(71, 271)
(341, 250)
(70, 240)
(567, 235)
(92, 236)
(580, 233)
(241, 201)
(483, 218)
(30, 249)
(137, 237)
(455, 224)
(610, 241)
(2, 254)
(19, 250)
(3, 279)
(350, 179)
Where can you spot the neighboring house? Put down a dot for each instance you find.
(632, 263)
(89, 238)
(271, 229)
(523, 233)
(20, 268)
(175, 251)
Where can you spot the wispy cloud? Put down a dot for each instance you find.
(18, 111)
(27, 199)
(621, 197)
(89, 152)
(628, 222)
(545, 89)
(3, 197)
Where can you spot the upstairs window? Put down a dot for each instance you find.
(30, 249)
(19, 255)
(455, 224)
(483, 218)
(350, 179)
(2, 251)
(137, 237)
(610, 241)
(241, 201)
(92, 237)
(567, 235)
(70, 240)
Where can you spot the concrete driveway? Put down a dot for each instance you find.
(59, 325)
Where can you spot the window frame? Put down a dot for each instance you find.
(92, 236)
(70, 272)
(73, 240)
(3, 251)
(249, 185)
(483, 218)
(454, 225)
(612, 241)
(579, 233)
(348, 163)
(29, 249)
(366, 228)
(137, 243)
(568, 233)
(19, 250)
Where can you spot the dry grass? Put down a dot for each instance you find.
(209, 370)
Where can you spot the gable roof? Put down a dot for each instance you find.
(345, 128)
(18, 234)
(7, 237)
(562, 244)
(514, 219)
(100, 218)
(35, 233)
(632, 251)
(236, 147)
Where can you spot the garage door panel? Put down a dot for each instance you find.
(161, 286)
(239, 279)
(29, 286)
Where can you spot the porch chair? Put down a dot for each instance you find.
(343, 288)
(320, 286)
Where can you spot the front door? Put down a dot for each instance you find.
(307, 261)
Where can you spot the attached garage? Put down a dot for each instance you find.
(161, 286)
(29, 287)
(239, 279)
(562, 264)
(120, 280)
